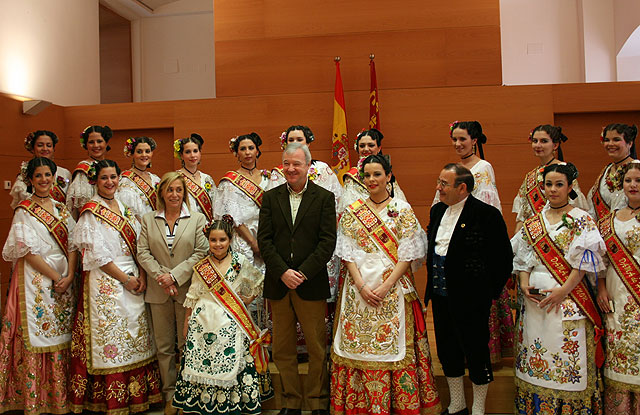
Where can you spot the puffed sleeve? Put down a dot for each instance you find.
(80, 191)
(24, 238)
(101, 244)
(197, 290)
(485, 185)
(411, 246)
(398, 194)
(250, 280)
(232, 201)
(587, 248)
(347, 240)
(129, 194)
(18, 192)
(524, 258)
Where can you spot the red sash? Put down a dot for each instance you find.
(246, 185)
(602, 209)
(116, 221)
(55, 226)
(148, 190)
(83, 167)
(58, 194)
(553, 259)
(621, 258)
(202, 197)
(234, 305)
(279, 169)
(354, 175)
(386, 240)
(535, 197)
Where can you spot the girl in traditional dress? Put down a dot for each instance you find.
(559, 326)
(619, 298)
(200, 186)
(94, 139)
(240, 196)
(467, 138)
(113, 357)
(36, 329)
(368, 142)
(224, 369)
(607, 194)
(545, 141)
(42, 143)
(380, 354)
(137, 187)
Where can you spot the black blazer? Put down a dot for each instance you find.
(305, 246)
(479, 259)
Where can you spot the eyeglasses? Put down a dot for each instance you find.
(441, 183)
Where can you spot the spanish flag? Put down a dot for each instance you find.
(340, 150)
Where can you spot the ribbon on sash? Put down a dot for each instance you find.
(246, 185)
(553, 259)
(202, 197)
(235, 307)
(534, 194)
(116, 221)
(354, 175)
(385, 239)
(55, 226)
(620, 257)
(602, 209)
(148, 190)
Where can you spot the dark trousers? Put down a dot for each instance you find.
(462, 338)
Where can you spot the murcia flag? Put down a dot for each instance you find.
(374, 111)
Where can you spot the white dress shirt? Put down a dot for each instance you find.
(447, 226)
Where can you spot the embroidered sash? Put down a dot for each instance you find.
(58, 194)
(148, 190)
(83, 167)
(55, 226)
(385, 239)
(116, 221)
(553, 259)
(201, 196)
(280, 170)
(354, 175)
(235, 307)
(246, 185)
(602, 209)
(534, 194)
(621, 258)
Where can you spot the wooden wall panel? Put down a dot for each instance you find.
(404, 59)
(605, 96)
(115, 58)
(253, 19)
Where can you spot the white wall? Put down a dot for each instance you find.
(50, 50)
(598, 40)
(173, 52)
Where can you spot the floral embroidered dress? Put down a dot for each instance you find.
(19, 189)
(622, 363)
(113, 357)
(521, 205)
(36, 329)
(500, 318)
(80, 190)
(218, 374)
(555, 353)
(606, 184)
(232, 200)
(209, 186)
(380, 359)
(132, 195)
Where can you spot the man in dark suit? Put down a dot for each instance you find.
(297, 236)
(468, 263)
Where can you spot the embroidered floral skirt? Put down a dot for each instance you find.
(406, 387)
(117, 393)
(501, 328)
(29, 382)
(243, 398)
(620, 398)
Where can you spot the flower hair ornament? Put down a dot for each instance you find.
(452, 126)
(355, 143)
(28, 142)
(82, 143)
(129, 146)
(283, 140)
(92, 174)
(602, 134)
(228, 219)
(177, 148)
(23, 173)
(232, 143)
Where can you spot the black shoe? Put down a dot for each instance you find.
(464, 411)
(287, 411)
(319, 412)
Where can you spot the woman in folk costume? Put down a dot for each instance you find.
(619, 298)
(36, 329)
(200, 186)
(380, 354)
(606, 194)
(368, 142)
(113, 363)
(467, 138)
(559, 327)
(546, 143)
(95, 140)
(42, 143)
(137, 186)
(224, 369)
(240, 196)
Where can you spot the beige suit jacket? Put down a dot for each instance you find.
(189, 246)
